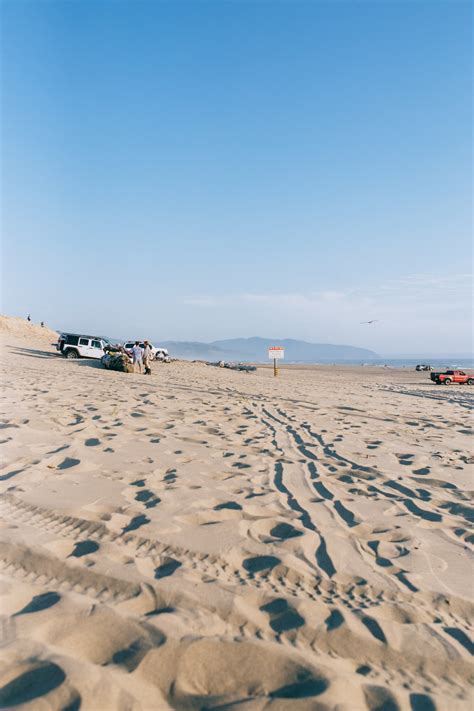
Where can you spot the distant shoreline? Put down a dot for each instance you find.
(467, 363)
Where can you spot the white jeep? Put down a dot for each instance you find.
(73, 345)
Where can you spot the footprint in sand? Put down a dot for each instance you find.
(131, 656)
(38, 603)
(260, 562)
(285, 531)
(92, 442)
(148, 498)
(421, 702)
(422, 472)
(9, 475)
(136, 522)
(363, 670)
(301, 689)
(38, 681)
(59, 449)
(167, 568)
(68, 462)
(374, 628)
(84, 548)
(228, 505)
(405, 459)
(460, 637)
(335, 620)
(282, 616)
(379, 698)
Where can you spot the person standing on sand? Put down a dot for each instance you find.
(28, 318)
(147, 355)
(137, 356)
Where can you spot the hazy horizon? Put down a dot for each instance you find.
(200, 171)
(121, 338)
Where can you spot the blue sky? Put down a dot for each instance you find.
(201, 170)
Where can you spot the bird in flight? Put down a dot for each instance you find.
(374, 320)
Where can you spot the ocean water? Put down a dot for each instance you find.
(410, 363)
(448, 363)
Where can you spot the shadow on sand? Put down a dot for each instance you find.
(35, 353)
(32, 352)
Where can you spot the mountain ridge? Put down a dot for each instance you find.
(254, 349)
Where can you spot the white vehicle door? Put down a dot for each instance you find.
(97, 350)
(85, 348)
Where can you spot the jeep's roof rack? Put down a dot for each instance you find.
(82, 335)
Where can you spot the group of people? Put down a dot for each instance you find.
(141, 357)
(28, 318)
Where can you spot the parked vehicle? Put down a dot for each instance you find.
(452, 376)
(74, 345)
(158, 353)
(423, 366)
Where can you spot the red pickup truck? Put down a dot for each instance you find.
(452, 376)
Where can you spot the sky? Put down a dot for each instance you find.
(198, 170)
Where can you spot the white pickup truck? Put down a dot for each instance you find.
(157, 352)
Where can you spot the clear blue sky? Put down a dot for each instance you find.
(200, 170)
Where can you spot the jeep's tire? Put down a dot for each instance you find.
(447, 381)
(470, 381)
(71, 353)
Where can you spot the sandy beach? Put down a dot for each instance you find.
(209, 539)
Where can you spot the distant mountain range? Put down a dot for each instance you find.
(255, 350)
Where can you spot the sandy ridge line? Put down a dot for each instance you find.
(39, 567)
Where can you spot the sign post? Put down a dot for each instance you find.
(276, 352)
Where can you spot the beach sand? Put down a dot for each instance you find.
(208, 539)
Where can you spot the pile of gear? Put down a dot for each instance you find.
(116, 358)
(235, 366)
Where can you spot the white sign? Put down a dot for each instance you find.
(276, 352)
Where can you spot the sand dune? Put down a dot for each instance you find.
(207, 539)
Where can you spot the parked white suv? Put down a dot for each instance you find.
(73, 345)
(158, 353)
